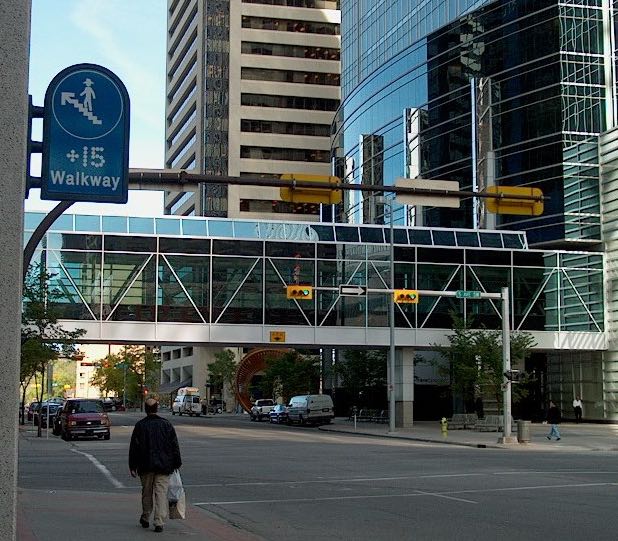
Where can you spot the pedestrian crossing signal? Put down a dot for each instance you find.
(300, 292)
(405, 296)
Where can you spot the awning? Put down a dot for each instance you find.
(173, 386)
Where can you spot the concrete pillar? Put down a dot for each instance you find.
(14, 56)
(404, 387)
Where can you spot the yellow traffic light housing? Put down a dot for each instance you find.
(298, 292)
(405, 296)
(323, 189)
(507, 205)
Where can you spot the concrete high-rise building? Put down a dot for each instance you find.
(252, 88)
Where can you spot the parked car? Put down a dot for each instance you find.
(53, 409)
(30, 409)
(113, 404)
(83, 417)
(311, 409)
(262, 408)
(216, 406)
(279, 414)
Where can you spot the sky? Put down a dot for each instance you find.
(129, 38)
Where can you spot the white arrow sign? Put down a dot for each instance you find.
(352, 290)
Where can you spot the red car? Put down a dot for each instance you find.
(82, 417)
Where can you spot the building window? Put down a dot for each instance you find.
(287, 128)
(290, 76)
(319, 4)
(288, 154)
(187, 352)
(296, 51)
(286, 25)
(278, 207)
(289, 102)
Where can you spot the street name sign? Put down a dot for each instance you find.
(352, 290)
(437, 200)
(86, 137)
(463, 294)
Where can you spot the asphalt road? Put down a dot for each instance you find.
(280, 482)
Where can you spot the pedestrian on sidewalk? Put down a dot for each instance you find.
(153, 455)
(577, 409)
(553, 418)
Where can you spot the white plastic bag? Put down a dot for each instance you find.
(176, 496)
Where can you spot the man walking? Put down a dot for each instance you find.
(553, 418)
(153, 455)
(577, 409)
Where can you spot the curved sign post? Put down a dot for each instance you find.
(86, 137)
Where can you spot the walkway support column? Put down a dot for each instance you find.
(404, 387)
(14, 55)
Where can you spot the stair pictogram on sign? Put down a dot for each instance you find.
(86, 107)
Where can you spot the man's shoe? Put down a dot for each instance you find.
(548, 437)
(144, 523)
(557, 439)
(158, 529)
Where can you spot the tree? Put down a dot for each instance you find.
(129, 373)
(43, 339)
(475, 360)
(222, 371)
(291, 374)
(363, 375)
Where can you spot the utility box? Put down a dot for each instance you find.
(523, 431)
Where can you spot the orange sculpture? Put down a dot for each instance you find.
(251, 364)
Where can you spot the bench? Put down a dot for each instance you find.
(462, 420)
(457, 421)
(492, 423)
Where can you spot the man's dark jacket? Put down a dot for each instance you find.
(154, 446)
(553, 416)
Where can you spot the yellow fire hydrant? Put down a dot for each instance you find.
(444, 427)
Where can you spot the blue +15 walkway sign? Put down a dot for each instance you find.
(86, 137)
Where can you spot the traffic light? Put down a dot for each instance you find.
(145, 391)
(405, 296)
(300, 292)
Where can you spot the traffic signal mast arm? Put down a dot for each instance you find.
(174, 181)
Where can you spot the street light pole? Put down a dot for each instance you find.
(124, 386)
(506, 366)
(391, 322)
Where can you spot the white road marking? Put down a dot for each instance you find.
(446, 493)
(334, 480)
(101, 468)
(438, 495)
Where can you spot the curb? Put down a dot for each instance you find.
(423, 440)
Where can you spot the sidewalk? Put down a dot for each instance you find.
(58, 515)
(575, 437)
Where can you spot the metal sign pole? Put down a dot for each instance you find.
(391, 322)
(506, 365)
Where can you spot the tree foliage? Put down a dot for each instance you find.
(42, 338)
(475, 360)
(291, 374)
(223, 370)
(363, 374)
(131, 369)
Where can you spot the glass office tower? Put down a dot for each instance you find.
(512, 93)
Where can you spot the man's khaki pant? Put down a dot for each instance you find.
(154, 487)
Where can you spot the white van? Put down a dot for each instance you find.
(187, 401)
(311, 409)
